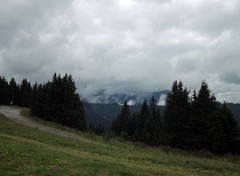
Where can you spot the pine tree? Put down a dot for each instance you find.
(141, 122)
(39, 99)
(55, 99)
(33, 103)
(204, 105)
(76, 114)
(4, 91)
(58, 101)
(14, 92)
(133, 125)
(177, 113)
(224, 132)
(25, 93)
(150, 126)
(156, 121)
(121, 124)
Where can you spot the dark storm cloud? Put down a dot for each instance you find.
(124, 45)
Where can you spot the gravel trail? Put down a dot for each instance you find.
(14, 115)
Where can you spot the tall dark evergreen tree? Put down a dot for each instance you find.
(212, 127)
(133, 125)
(224, 132)
(55, 99)
(4, 91)
(199, 123)
(177, 113)
(156, 121)
(34, 99)
(204, 105)
(58, 101)
(141, 122)
(121, 124)
(150, 124)
(25, 93)
(14, 92)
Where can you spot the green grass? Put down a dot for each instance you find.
(25, 112)
(27, 151)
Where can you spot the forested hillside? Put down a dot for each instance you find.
(55, 100)
(104, 114)
(197, 122)
(191, 123)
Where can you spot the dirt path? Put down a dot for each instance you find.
(14, 115)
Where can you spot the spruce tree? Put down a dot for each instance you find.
(177, 113)
(121, 124)
(55, 99)
(4, 91)
(14, 92)
(156, 121)
(141, 122)
(224, 132)
(204, 105)
(150, 126)
(58, 101)
(133, 125)
(33, 104)
(25, 93)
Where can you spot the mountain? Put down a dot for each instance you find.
(101, 114)
(235, 109)
(104, 114)
(102, 108)
(133, 98)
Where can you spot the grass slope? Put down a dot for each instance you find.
(28, 151)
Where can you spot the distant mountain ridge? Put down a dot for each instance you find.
(104, 114)
(235, 109)
(102, 108)
(132, 98)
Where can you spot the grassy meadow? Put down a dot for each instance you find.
(28, 151)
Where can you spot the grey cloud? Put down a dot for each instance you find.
(123, 45)
(233, 78)
(19, 18)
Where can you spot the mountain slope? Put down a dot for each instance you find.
(28, 151)
(104, 114)
(235, 108)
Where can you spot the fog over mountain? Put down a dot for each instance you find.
(124, 45)
(103, 97)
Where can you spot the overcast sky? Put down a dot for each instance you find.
(124, 45)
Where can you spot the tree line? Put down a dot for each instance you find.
(196, 122)
(55, 100)
(12, 93)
